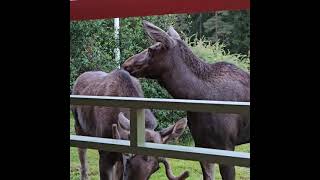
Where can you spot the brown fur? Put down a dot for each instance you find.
(97, 121)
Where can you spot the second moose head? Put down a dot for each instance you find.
(141, 167)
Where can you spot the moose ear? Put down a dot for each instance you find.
(173, 33)
(158, 35)
(123, 121)
(120, 131)
(115, 132)
(173, 131)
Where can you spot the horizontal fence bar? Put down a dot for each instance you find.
(169, 104)
(163, 150)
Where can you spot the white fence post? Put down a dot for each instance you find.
(117, 39)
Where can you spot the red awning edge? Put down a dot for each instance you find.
(103, 9)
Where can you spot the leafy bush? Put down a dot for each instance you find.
(91, 47)
(215, 52)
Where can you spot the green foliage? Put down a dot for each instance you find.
(215, 52)
(218, 27)
(91, 47)
(232, 28)
(183, 24)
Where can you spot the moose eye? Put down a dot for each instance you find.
(150, 52)
(138, 66)
(146, 158)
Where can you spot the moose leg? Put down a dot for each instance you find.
(105, 165)
(83, 163)
(118, 171)
(207, 170)
(227, 172)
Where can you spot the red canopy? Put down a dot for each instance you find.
(102, 9)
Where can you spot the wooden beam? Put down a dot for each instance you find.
(154, 103)
(163, 150)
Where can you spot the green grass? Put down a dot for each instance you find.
(178, 166)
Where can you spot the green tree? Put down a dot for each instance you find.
(232, 28)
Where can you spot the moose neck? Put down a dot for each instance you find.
(185, 79)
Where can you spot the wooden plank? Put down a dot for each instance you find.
(154, 103)
(164, 150)
(138, 146)
(137, 127)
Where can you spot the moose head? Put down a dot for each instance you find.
(141, 167)
(158, 58)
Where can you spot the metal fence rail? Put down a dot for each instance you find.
(137, 144)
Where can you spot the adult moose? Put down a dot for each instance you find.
(110, 122)
(185, 76)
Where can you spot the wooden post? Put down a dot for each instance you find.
(137, 127)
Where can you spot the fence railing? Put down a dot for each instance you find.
(137, 144)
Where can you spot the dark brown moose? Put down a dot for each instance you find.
(108, 122)
(170, 61)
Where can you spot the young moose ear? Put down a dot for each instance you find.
(174, 131)
(115, 132)
(123, 121)
(119, 130)
(173, 33)
(158, 35)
